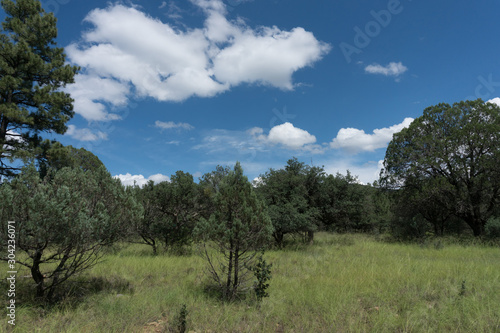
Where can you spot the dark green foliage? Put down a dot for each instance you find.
(463, 289)
(344, 204)
(445, 164)
(177, 202)
(234, 233)
(171, 210)
(32, 73)
(379, 208)
(56, 156)
(181, 319)
(146, 226)
(262, 272)
(291, 195)
(492, 228)
(64, 221)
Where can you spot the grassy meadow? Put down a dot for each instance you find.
(341, 283)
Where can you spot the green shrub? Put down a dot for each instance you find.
(492, 228)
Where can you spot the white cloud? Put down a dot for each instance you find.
(90, 92)
(130, 53)
(269, 56)
(85, 134)
(286, 135)
(171, 125)
(290, 136)
(140, 180)
(10, 137)
(495, 100)
(354, 140)
(366, 173)
(392, 69)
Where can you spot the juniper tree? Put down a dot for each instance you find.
(237, 230)
(457, 147)
(64, 221)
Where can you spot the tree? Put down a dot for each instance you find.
(171, 210)
(209, 185)
(64, 221)
(177, 202)
(457, 147)
(147, 226)
(238, 229)
(343, 203)
(290, 205)
(32, 74)
(56, 156)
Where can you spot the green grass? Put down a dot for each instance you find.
(342, 283)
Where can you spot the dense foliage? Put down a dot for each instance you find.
(237, 230)
(32, 73)
(445, 164)
(64, 221)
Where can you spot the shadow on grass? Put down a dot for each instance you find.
(439, 242)
(69, 294)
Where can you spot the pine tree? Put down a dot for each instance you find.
(32, 73)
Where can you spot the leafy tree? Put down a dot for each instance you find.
(64, 221)
(177, 202)
(289, 201)
(314, 177)
(456, 148)
(209, 184)
(171, 210)
(147, 226)
(56, 156)
(238, 229)
(32, 73)
(343, 203)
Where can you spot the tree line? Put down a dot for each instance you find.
(441, 176)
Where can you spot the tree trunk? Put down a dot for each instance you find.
(278, 237)
(236, 268)
(37, 275)
(310, 236)
(476, 226)
(229, 269)
(153, 245)
(59, 269)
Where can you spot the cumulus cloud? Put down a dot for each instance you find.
(91, 94)
(172, 125)
(354, 140)
(139, 180)
(392, 69)
(85, 134)
(495, 100)
(290, 136)
(128, 53)
(285, 135)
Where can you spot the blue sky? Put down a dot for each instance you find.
(186, 85)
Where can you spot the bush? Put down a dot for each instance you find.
(492, 228)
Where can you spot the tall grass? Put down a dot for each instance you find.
(342, 283)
